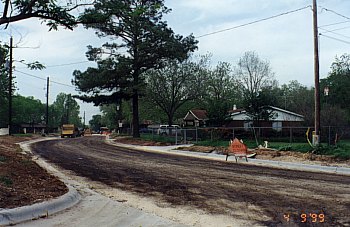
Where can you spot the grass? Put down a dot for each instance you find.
(23, 135)
(340, 151)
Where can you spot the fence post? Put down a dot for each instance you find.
(175, 136)
(290, 135)
(211, 135)
(196, 134)
(329, 135)
(185, 136)
(233, 133)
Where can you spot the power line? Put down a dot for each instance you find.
(341, 15)
(73, 63)
(330, 37)
(336, 29)
(253, 22)
(328, 31)
(55, 82)
(327, 25)
(60, 65)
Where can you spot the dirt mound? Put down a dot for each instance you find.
(22, 181)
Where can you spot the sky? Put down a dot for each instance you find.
(285, 41)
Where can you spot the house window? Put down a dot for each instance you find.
(189, 123)
(277, 126)
(196, 123)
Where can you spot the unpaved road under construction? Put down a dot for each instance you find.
(274, 197)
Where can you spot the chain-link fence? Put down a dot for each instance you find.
(329, 134)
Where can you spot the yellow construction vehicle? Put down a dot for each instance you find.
(69, 130)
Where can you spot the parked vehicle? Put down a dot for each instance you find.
(169, 130)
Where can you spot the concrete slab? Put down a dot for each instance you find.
(95, 209)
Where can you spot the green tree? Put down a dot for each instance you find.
(96, 122)
(110, 116)
(257, 107)
(221, 93)
(54, 13)
(338, 82)
(27, 110)
(4, 81)
(299, 99)
(143, 41)
(65, 110)
(177, 83)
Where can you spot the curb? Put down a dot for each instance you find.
(258, 162)
(39, 210)
(302, 167)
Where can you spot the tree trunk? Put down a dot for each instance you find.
(170, 118)
(135, 103)
(135, 115)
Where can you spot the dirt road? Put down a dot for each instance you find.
(267, 196)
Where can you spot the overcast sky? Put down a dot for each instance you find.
(285, 41)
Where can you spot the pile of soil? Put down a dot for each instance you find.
(22, 181)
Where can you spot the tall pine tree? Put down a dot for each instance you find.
(143, 41)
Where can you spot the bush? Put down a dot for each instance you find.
(340, 151)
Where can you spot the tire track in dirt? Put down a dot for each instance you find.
(242, 191)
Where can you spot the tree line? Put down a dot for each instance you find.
(171, 91)
(146, 70)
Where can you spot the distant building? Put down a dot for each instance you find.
(196, 118)
(279, 118)
(32, 128)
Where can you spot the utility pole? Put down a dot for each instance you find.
(10, 88)
(84, 120)
(47, 105)
(316, 134)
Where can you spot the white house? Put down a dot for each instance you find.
(279, 118)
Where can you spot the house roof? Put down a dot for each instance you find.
(197, 114)
(236, 111)
(285, 111)
(241, 114)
